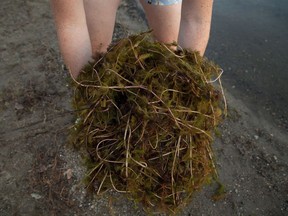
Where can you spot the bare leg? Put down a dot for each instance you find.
(100, 16)
(72, 33)
(84, 27)
(164, 20)
(195, 24)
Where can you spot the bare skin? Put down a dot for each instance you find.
(195, 24)
(164, 20)
(85, 27)
(100, 17)
(72, 31)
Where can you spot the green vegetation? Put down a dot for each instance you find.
(146, 117)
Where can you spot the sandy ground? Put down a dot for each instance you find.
(40, 175)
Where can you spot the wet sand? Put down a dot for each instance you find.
(248, 40)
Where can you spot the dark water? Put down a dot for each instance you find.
(249, 39)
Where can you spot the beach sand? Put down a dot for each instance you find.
(39, 175)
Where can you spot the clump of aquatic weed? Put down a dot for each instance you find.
(145, 118)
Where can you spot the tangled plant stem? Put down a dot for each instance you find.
(147, 116)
